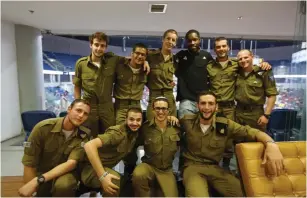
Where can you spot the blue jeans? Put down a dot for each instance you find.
(187, 107)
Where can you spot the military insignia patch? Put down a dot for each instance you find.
(26, 144)
(222, 131)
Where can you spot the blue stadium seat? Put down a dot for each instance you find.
(31, 118)
(281, 124)
(63, 114)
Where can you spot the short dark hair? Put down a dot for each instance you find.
(221, 38)
(134, 109)
(139, 45)
(160, 98)
(79, 101)
(170, 31)
(204, 93)
(191, 32)
(100, 36)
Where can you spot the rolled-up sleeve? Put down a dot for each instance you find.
(32, 148)
(111, 138)
(77, 78)
(240, 132)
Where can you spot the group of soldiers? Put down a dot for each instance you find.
(221, 102)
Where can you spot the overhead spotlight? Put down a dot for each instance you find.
(240, 17)
(31, 11)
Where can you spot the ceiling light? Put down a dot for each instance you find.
(240, 17)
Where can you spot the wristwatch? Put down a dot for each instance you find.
(267, 116)
(41, 179)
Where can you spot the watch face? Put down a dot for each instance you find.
(41, 179)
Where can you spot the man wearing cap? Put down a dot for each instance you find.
(161, 141)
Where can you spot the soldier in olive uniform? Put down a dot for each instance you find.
(105, 151)
(161, 141)
(223, 72)
(160, 78)
(52, 152)
(130, 80)
(206, 136)
(95, 75)
(254, 87)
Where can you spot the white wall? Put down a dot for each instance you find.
(10, 111)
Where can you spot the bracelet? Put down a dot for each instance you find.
(103, 175)
(270, 141)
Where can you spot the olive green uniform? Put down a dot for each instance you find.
(128, 89)
(47, 148)
(117, 142)
(156, 167)
(159, 81)
(251, 93)
(203, 151)
(222, 84)
(97, 86)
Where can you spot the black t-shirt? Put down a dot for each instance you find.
(192, 73)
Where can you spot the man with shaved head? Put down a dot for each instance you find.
(254, 88)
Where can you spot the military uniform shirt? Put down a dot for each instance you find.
(223, 79)
(117, 142)
(47, 146)
(209, 147)
(160, 147)
(161, 72)
(255, 87)
(129, 85)
(96, 82)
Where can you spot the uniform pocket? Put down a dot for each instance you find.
(152, 146)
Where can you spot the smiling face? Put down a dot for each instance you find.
(169, 40)
(207, 106)
(245, 59)
(134, 120)
(221, 48)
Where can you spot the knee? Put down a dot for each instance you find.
(65, 186)
(138, 175)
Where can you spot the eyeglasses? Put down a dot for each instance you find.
(161, 109)
(140, 54)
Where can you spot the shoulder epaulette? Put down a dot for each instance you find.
(221, 124)
(82, 59)
(190, 117)
(50, 121)
(109, 54)
(221, 119)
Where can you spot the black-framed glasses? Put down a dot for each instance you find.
(161, 109)
(140, 54)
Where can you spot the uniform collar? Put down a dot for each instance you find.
(153, 123)
(230, 62)
(255, 70)
(159, 52)
(102, 60)
(197, 121)
(58, 127)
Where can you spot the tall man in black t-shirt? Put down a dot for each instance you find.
(192, 73)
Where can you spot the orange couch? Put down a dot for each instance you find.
(256, 184)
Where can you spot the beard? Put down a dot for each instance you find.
(202, 116)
